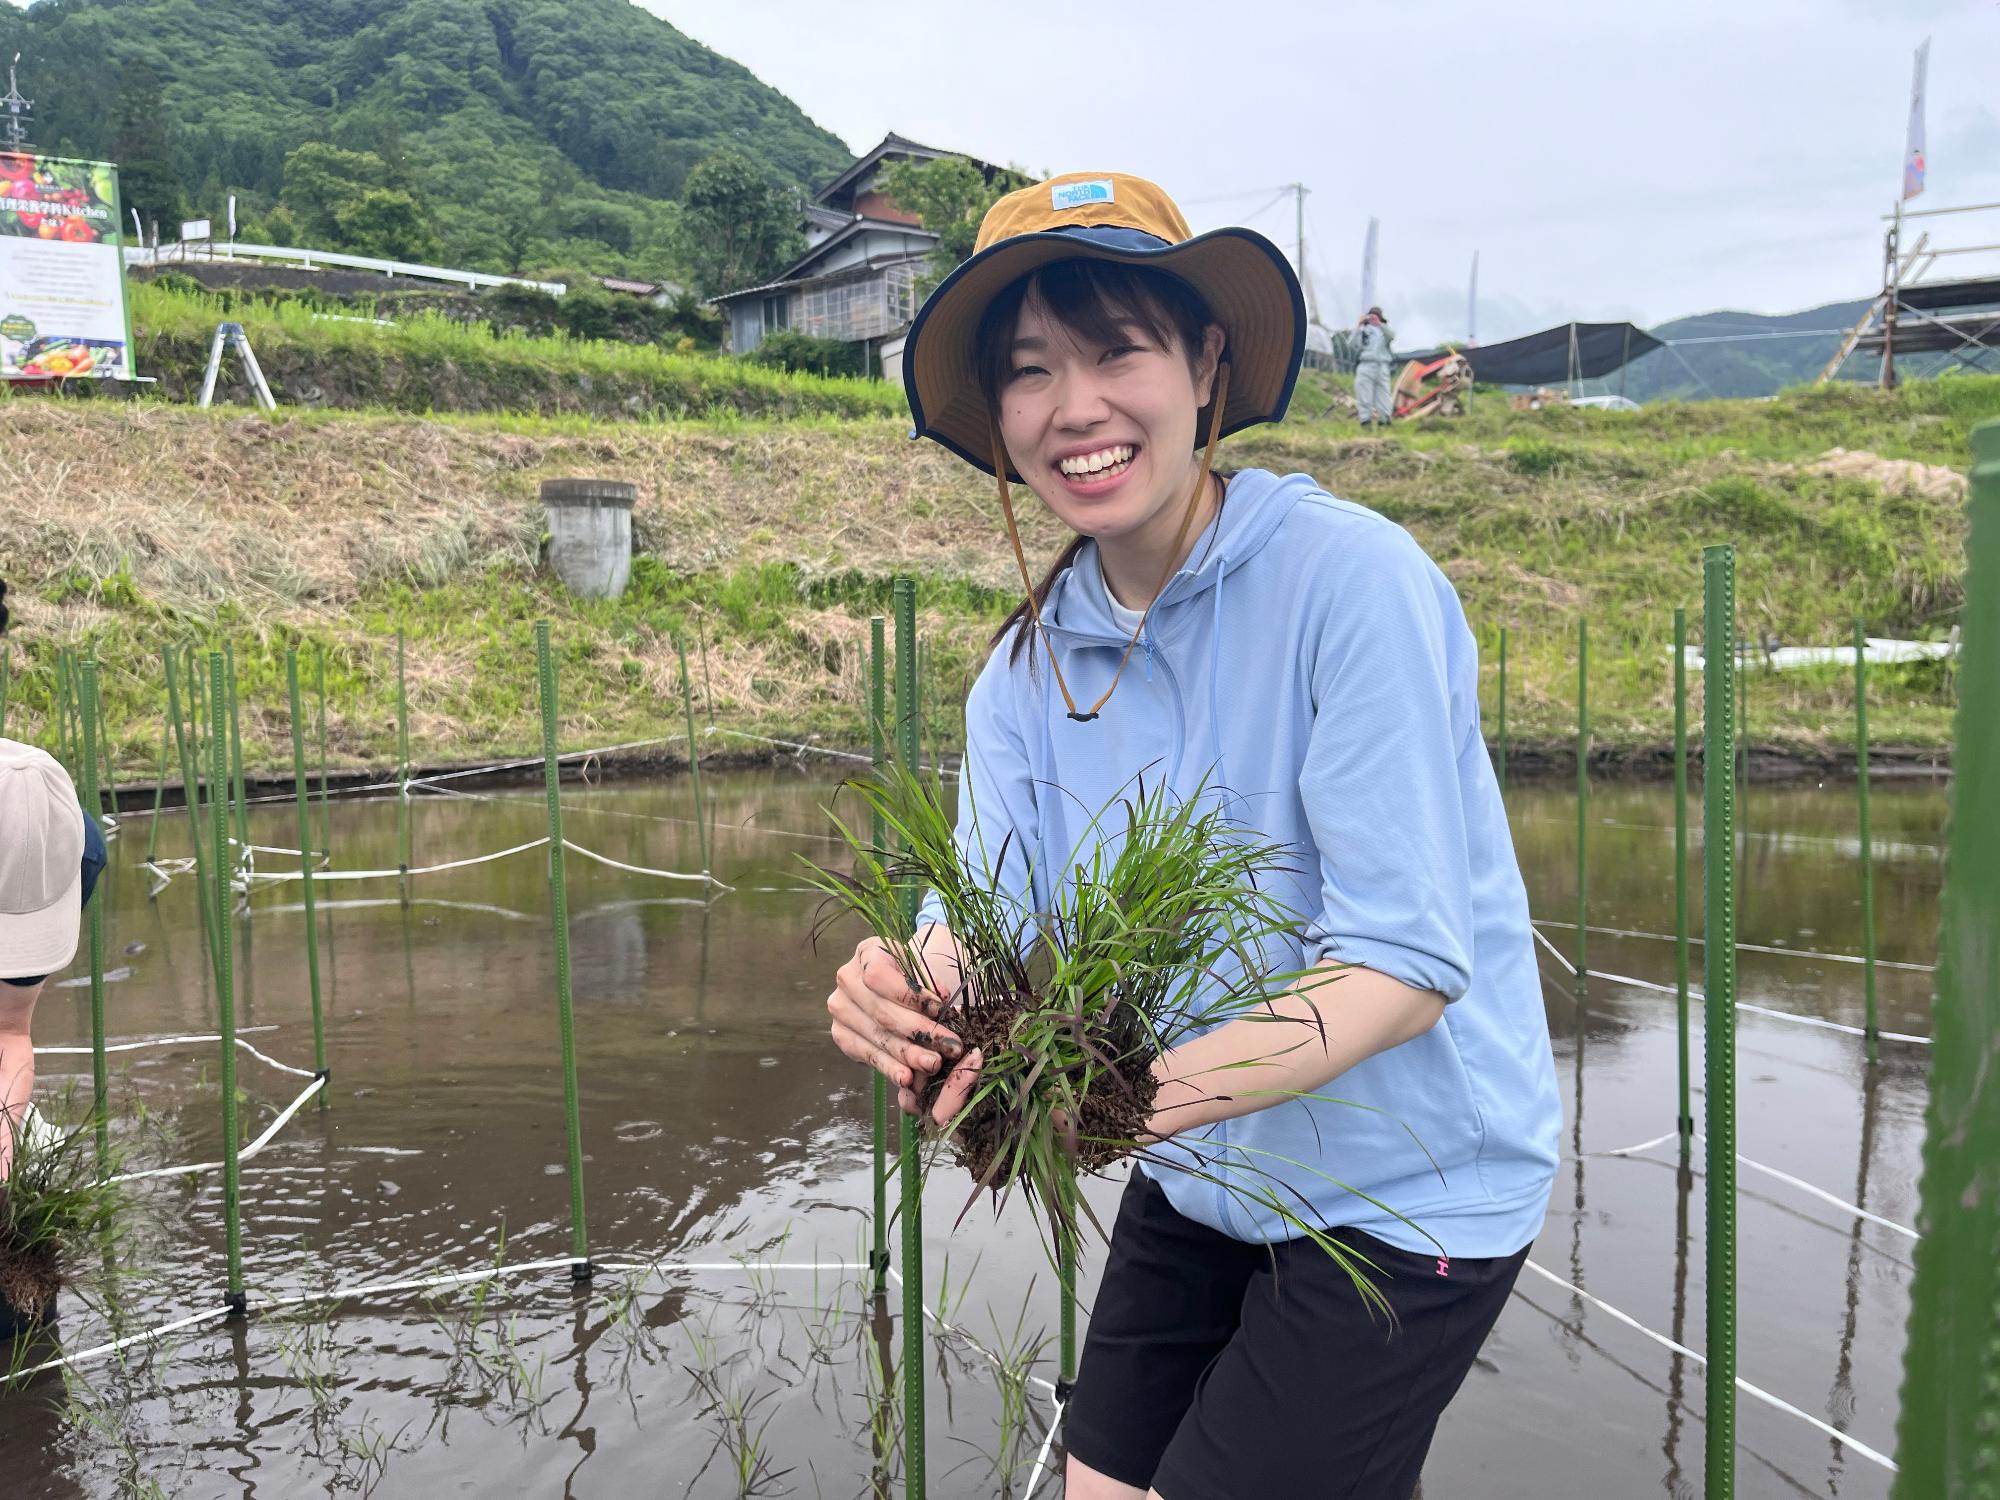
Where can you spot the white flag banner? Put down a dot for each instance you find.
(1472, 303)
(1913, 149)
(1368, 266)
(232, 216)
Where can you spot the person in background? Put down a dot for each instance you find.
(1371, 374)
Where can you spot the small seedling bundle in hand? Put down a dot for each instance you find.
(1165, 929)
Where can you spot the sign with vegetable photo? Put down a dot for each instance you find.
(62, 270)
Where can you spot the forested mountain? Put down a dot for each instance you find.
(501, 134)
(1756, 354)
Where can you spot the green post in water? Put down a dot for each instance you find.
(904, 597)
(1503, 710)
(1718, 859)
(694, 758)
(236, 760)
(1582, 804)
(300, 795)
(159, 798)
(403, 765)
(579, 1269)
(325, 813)
(186, 742)
(1686, 1116)
(100, 1077)
(1867, 844)
(225, 990)
(1945, 1438)
(878, 1256)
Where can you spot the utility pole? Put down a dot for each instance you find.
(1299, 191)
(14, 129)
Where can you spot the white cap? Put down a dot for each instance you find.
(41, 862)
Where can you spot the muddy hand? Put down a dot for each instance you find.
(880, 1020)
(958, 1086)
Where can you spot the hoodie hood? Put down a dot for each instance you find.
(1255, 504)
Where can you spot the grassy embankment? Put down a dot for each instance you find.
(773, 538)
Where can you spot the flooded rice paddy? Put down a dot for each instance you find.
(721, 1130)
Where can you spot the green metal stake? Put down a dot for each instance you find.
(579, 1269)
(707, 682)
(104, 749)
(1867, 845)
(1066, 1280)
(694, 756)
(225, 990)
(1503, 710)
(159, 798)
(403, 773)
(1681, 870)
(878, 1257)
(1951, 1402)
(1582, 803)
(100, 1076)
(306, 864)
(904, 596)
(191, 796)
(1718, 795)
(243, 857)
(325, 801)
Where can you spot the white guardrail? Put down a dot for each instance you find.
(180, 254)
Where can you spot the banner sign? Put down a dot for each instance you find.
(62, 270)
(1913, 143)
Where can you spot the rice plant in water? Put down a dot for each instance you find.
(54, 1210)
(1164, 930)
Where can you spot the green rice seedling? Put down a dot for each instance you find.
(1163, 931)
(1017, 1350)
(55, 1210)
(741, 1428)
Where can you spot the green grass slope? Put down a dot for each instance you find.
(766, 544)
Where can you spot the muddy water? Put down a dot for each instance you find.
(718, 1124)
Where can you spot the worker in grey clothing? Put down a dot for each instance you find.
(1371, 374)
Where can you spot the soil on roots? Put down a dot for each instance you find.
(1116, 1102)
(29, 1279)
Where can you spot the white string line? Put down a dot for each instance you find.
(1742, 1385)
(1785, 1177)
(263, 1057)
(1668, 937)
(803, 749)
(155, 1041)
(244, 1155)
(1756, 1010)
(144, 1336)
(1042, 1458)
(604, 859)
(536, 760)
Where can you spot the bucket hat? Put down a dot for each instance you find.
(1246, 281)
(41, 862)
(1248, 284)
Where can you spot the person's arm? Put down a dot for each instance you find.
(17, 1064)
(1327, 1024)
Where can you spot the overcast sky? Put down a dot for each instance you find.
(1606, 160)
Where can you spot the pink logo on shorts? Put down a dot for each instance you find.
(1444, 1265)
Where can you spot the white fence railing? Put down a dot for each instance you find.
(201, 253)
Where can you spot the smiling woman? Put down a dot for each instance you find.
(1309, 681)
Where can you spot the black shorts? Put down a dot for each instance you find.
(1215, 1369)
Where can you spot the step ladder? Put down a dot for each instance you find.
(237, 339)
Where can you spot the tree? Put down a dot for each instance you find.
(340, 201)
(146, 177)
(739, 224)
(949, 195)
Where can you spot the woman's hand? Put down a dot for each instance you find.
(883, 1020)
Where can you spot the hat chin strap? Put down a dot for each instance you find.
(1084, 716)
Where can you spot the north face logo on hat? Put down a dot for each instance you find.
(1077, 194)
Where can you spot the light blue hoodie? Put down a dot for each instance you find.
(1312, 661)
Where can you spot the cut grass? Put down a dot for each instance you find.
(769, 543)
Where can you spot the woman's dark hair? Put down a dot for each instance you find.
(1094, 300)
(3, 606)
